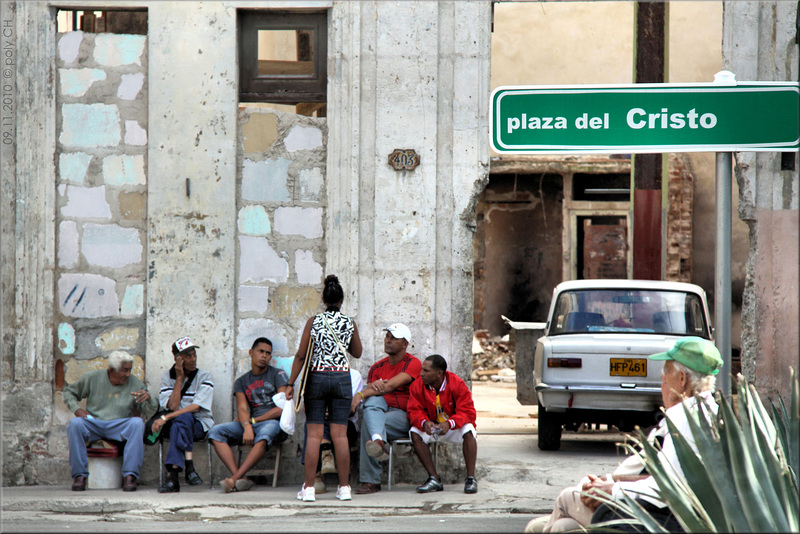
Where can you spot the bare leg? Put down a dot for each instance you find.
(470, 448)
(225, 454)
(341, 448)
(424, 455)
(313, 438)
(251, 459)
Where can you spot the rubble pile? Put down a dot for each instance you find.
(491, 356)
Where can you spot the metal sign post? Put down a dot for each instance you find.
(722, 267)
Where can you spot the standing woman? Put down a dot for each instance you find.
(328, 391)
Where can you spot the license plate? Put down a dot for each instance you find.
(628, 367)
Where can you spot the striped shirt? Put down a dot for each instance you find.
(200, 392)
(327, 355)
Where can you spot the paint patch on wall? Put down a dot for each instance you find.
(89, 125)
(130, 85)
(76, 82)
(66, 338)
(303, 138)
(114, 50)
(308, 271)
(117, 338)
(110, 245)
(122, 169)
(311, 182)
(68, 46)
(72, 167)
(306, 222)
(253, 220)
(259, 262)
(87, 295)
(253, 299)
(265, 181)
(133, 301)
(68, 244)
(86, 203)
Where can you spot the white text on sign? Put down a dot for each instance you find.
(636, 118)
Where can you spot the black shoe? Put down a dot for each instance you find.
(193, 479)
(430, 485)
(470, 485)
(170, 486)
(79, 483)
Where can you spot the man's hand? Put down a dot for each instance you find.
(249, 435)
(354, 403)
(594, 486)
(179, 373)
(157, 424)
(80, 412)
(289, 392)
(379, 386)
(141, 396)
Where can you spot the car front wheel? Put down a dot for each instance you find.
(549, 430)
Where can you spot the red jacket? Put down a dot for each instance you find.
(454, 396)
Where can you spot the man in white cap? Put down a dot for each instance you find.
(185, 400)
(384, 401)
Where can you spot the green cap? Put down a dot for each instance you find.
(695, 353)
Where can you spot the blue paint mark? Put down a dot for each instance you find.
(79, 300)
(70, 294)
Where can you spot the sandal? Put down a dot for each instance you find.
(227, 485)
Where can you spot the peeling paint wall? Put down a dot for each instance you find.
(280, 226)
(101, 177)
(759, 44)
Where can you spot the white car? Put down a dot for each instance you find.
(591, 364)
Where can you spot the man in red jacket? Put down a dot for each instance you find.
(440, 408)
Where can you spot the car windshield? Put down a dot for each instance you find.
(622, 310)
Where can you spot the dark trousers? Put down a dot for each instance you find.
(664, 516)
(183, 431)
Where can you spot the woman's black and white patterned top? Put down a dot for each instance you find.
(327, 355)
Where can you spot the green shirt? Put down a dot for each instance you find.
(104, 400)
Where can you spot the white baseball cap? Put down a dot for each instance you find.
(184, 343)
(400, 331)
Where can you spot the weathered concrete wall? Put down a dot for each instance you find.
(759, 44)
(408, 75)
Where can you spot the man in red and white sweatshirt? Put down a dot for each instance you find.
(440, 408)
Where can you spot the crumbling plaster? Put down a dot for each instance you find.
(759, 44)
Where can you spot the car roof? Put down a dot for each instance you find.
(657, 285)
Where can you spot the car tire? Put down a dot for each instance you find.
(549, 430)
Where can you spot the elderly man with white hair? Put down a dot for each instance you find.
(115, 404)
(688, 379)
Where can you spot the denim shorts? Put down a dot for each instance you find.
(328, 392)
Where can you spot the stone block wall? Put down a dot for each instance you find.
(280, 237)
(101, 181)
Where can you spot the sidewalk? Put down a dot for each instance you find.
(513, 477)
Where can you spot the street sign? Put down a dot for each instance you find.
(646, 118)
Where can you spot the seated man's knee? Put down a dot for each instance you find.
(137, 424)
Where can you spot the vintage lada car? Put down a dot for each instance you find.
(591, 364)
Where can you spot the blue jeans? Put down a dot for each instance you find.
(184, 430)
(81, 430)
(232, 433)
(377, 417)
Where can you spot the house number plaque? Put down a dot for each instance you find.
(404, 160)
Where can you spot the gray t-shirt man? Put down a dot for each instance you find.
(259, 389)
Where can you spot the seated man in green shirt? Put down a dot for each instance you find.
(115, 400)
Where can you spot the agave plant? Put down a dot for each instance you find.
(744, 475)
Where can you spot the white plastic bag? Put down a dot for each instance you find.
(280, 400)
(287, 417)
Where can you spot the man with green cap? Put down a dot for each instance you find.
(688, 379)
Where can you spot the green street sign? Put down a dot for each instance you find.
(646, 118)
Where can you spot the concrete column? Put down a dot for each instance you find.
(191, 247)
(408, 75)
(758, 44)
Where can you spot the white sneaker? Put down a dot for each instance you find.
(306, 494)
(343, 493)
